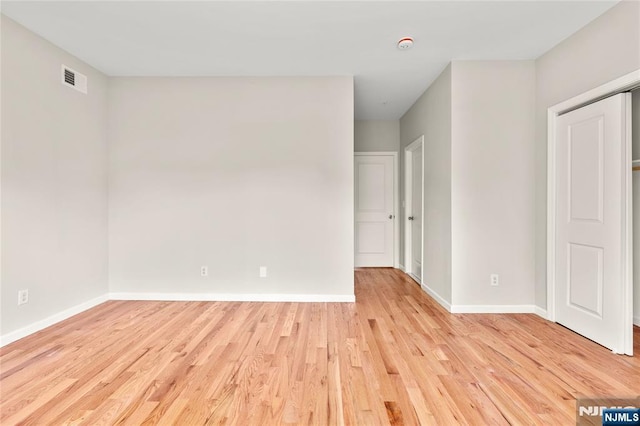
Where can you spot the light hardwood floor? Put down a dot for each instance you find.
(395, 356)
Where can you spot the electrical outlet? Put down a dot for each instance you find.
(263, 272)
(495, 280)
(204, 271)
(23, 297)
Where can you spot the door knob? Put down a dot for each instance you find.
(410, 217)
(390, 216)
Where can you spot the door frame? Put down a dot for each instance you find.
(619, 85)
(396, 202)
(408, 183)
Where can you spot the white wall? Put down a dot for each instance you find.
(54, 181)
(492, 182)
(232, 173)
(604, 50)
(376, 135)
(431, 116)
(478, 122)
(636, 205)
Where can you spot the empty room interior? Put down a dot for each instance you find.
(319, 212)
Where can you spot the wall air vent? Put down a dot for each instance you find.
(73, 78)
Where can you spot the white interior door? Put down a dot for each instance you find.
(415, 218)
(592, 224)
(374, 210)
(413, 209)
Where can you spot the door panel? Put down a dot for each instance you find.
(590, 207)
(371, 237)
(586, 163)
(374, 210)
(586, 277)
(371, 186)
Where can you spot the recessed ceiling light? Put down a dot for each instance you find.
(405, 43)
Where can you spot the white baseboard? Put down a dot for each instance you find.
(437, 297)
(493, 309)
(541, 312)
(5, 339)
(636, 321)
(234, 297)
(401, 267)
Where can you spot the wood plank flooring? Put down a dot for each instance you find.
(393, 357)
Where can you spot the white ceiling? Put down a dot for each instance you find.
(302, 38)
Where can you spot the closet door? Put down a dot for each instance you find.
(592, 221)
